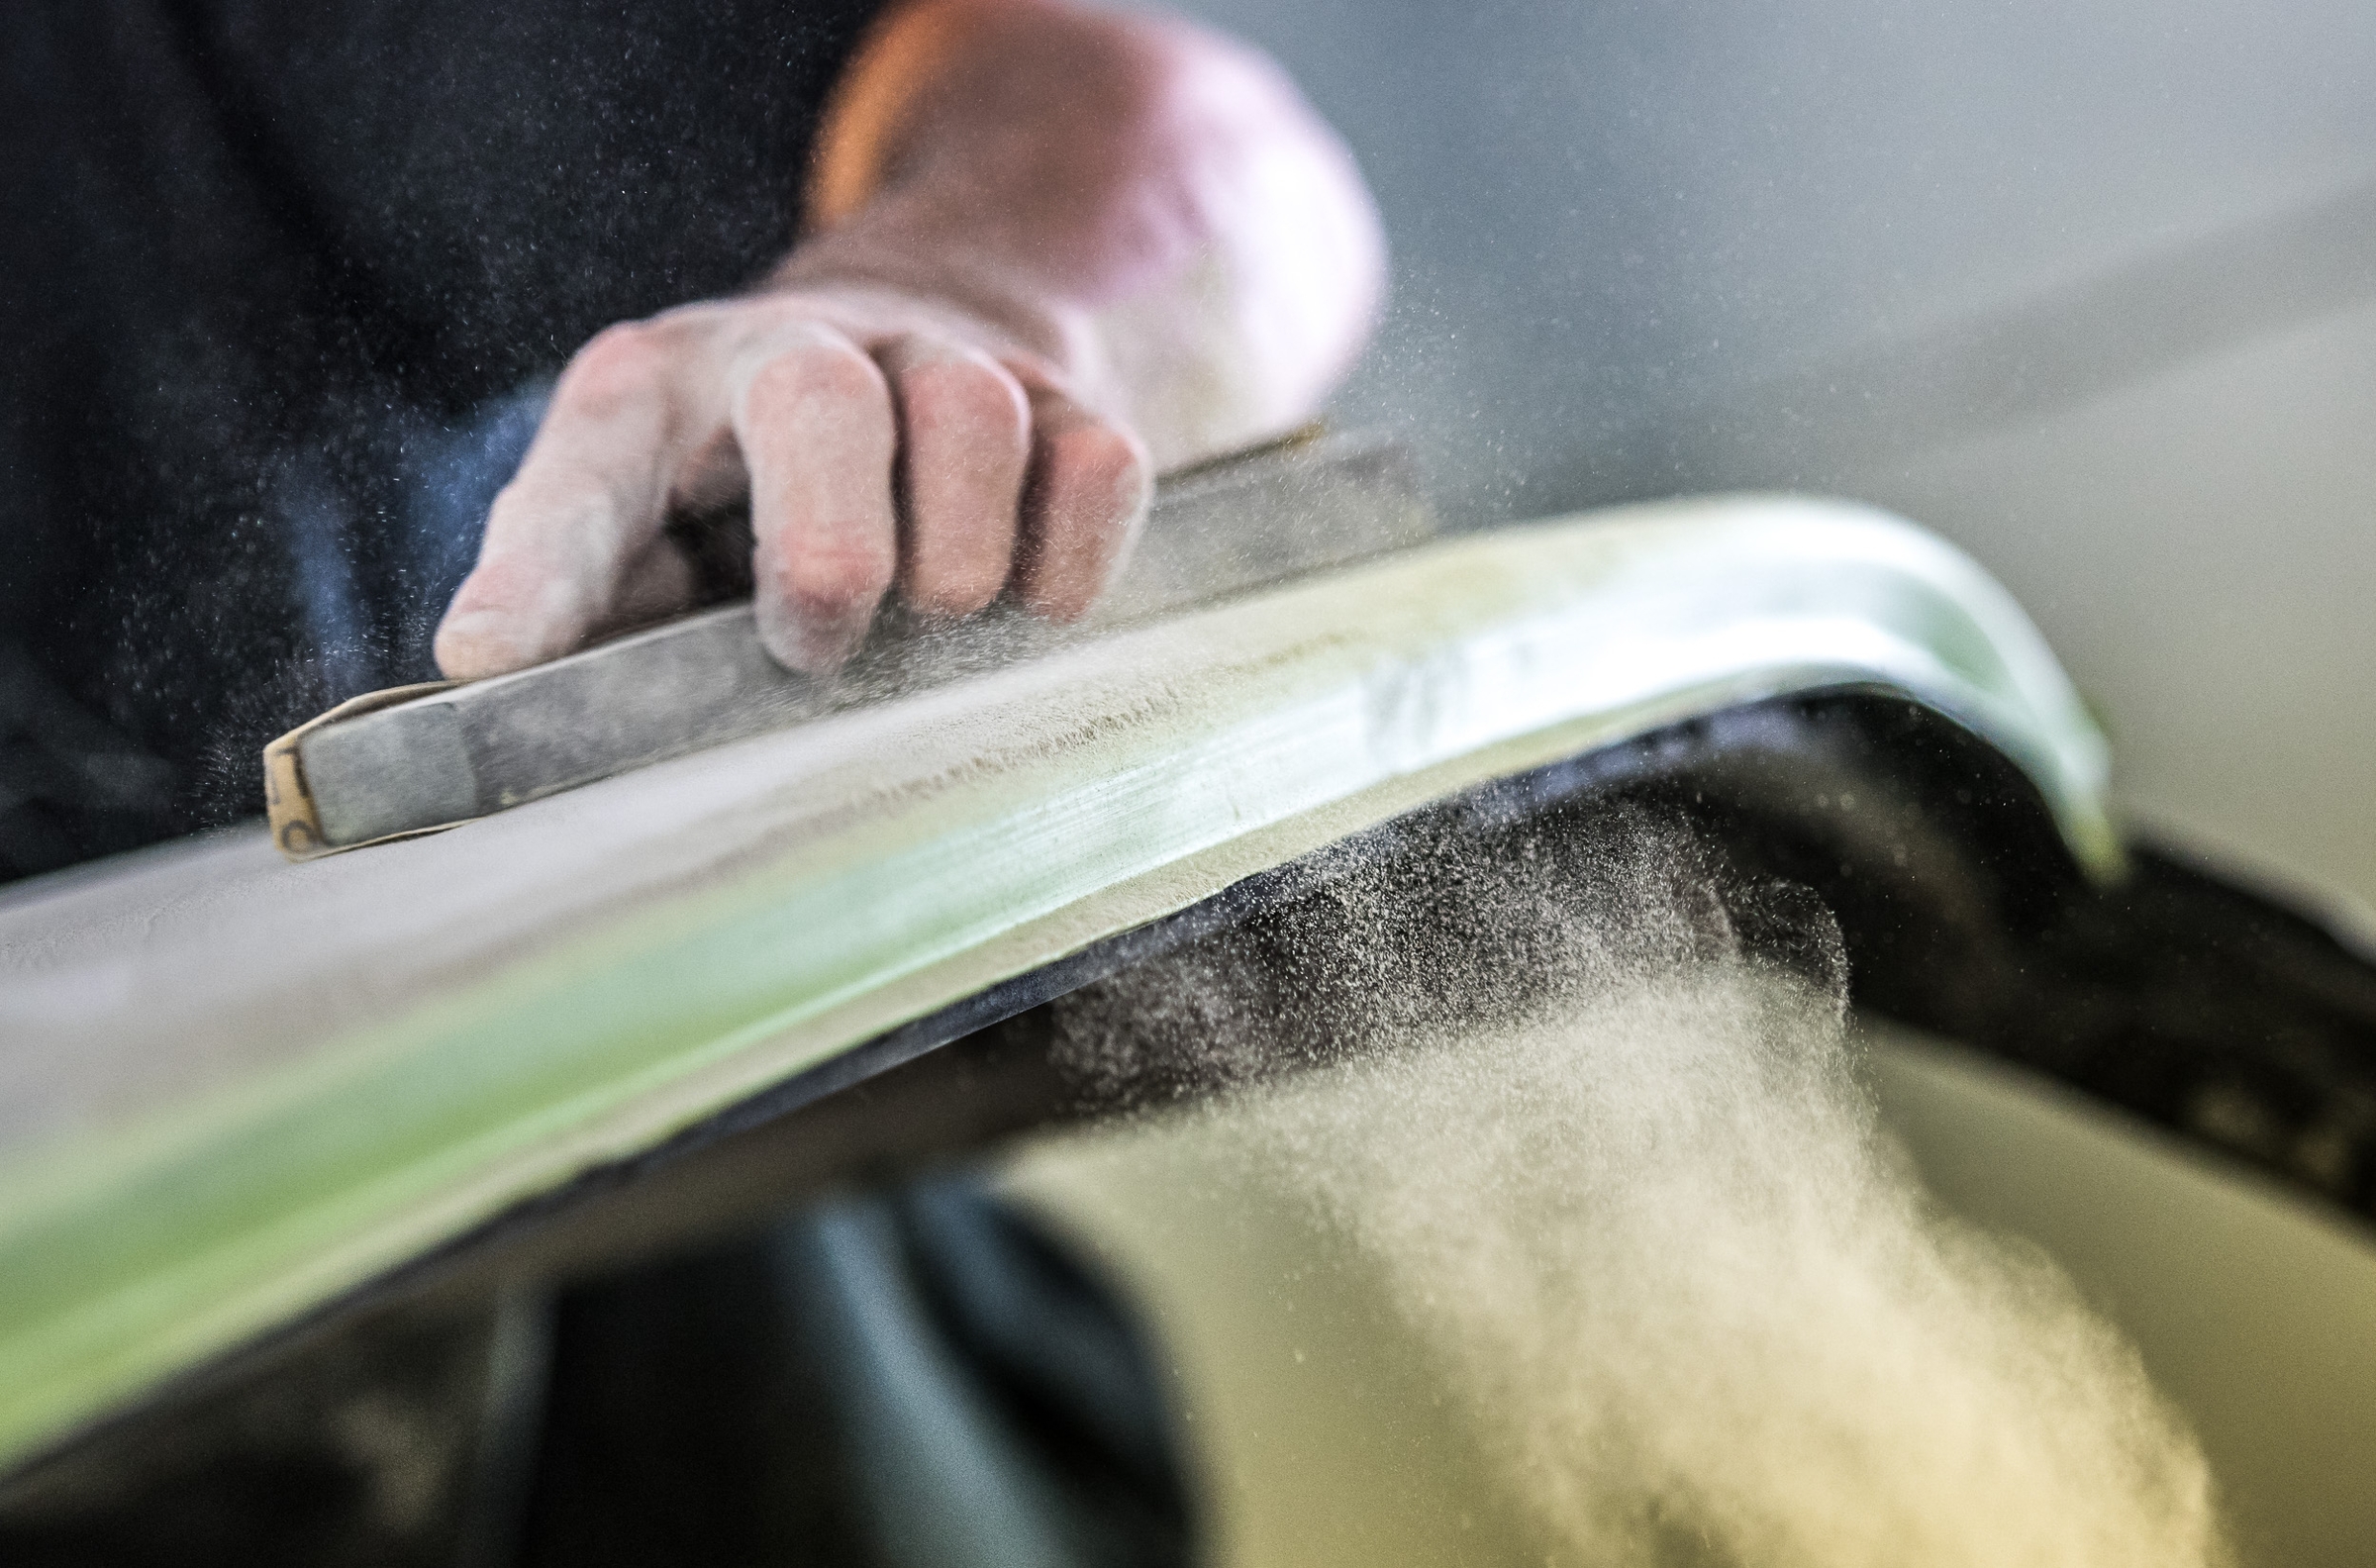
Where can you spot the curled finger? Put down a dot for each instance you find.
(964, 443)
(813, 417)
(564, 539)
(1083, 501)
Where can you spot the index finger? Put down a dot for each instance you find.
(586, 506)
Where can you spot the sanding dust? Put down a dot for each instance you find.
(1596, 1120)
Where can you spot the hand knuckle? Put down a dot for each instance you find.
(619, 363)
(969, 392)
(1104, 463)
(816, 369)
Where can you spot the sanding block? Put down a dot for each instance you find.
(417, 759)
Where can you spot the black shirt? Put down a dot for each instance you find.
(272, 276)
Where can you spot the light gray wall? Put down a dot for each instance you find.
(2089, 288)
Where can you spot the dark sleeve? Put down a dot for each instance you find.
(494, 183)
(256, 258)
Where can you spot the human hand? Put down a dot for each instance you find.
(1039, 230)
(880, 435)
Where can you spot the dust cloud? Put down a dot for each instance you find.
(1593, 1111)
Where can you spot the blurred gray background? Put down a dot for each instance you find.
(2088, 288)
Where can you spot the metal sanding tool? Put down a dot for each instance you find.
(417, 759)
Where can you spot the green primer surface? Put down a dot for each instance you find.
(1102, 789)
